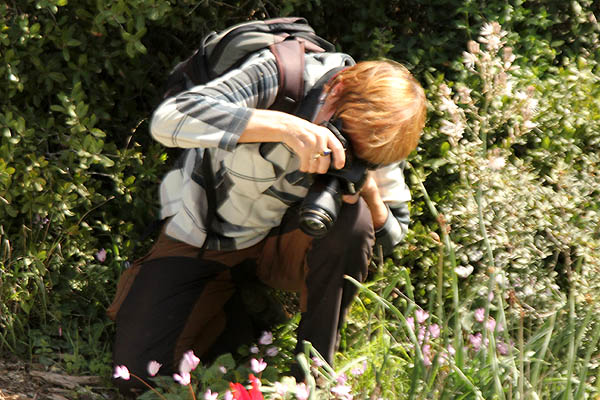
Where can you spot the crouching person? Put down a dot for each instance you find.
(233, 201)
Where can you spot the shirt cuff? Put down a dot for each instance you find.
(390, 234)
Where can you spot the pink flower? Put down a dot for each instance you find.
(317, 362)
(451, 350)
(280, 389)
(421, 315)
(228, 395)
(410, 321)
(189, 362)
(101, 255)
(434, 331)
(422, 334)
(254, 349)
(272, 351)
(491, 324)
(479, 314)
(266, 338)
(357, 371)
(257, 366)
(122, 372)
(427, 355)
(302, 391)
(341, 379)
(209, 395)
(153, 367)
(223, 369)
(476, 341)
(502, 348)
(183, 379)
(341, 391)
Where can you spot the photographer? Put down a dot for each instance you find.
(182, 295)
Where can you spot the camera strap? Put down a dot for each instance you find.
(311, 103)
(211, 198)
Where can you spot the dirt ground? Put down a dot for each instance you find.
(25, 381)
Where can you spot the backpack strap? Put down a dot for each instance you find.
(289, 56)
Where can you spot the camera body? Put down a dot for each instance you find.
(320, 208)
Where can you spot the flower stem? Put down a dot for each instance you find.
(192, 391)
(150, 387)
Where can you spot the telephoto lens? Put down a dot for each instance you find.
(320, 207)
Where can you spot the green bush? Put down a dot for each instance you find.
(79, 173)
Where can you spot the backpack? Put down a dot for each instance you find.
(288, 38)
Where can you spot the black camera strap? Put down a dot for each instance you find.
(311, 103)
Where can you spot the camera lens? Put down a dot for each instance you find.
(321, 206)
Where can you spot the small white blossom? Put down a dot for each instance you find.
(496, 163)
(464, 272)
(469, 60)
(266, 338)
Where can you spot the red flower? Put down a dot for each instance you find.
(240, 393)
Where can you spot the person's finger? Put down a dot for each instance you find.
(337, 150)
(324, 161)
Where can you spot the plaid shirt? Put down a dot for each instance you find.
(255, 183)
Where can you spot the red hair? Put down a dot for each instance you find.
(382, 107)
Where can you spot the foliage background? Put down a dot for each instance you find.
(79, 173)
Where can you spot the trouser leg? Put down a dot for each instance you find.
(346, 250)
(170, 295)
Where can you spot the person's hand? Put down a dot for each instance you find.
(370, 193)
(315, 145)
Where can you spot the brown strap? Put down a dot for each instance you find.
(289, 55)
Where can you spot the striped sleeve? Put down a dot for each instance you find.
(216, 114)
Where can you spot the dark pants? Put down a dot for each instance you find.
(172, 300)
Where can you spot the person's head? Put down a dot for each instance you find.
(382, 108)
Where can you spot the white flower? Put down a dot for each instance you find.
(302, 391)
(464, 272)
(493, 42)
(266, 338)
(528, 125)
(188, 362)
(272, 351)
(487, 29)
(280, 389)
(496, 163)
(257, 365)
(341, 391)
(445, 90)
(153, 367)
(464, 94)
(448, 106)
(454, 130)
(469, 60)
(183, 379)
(473, 47)
(122, 372)
(209, 395)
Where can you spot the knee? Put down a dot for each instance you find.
(354, 226)
(354, 235)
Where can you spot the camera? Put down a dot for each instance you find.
(320, 208)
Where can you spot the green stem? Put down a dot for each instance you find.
(538, 361)
(458, 339)
(586, 362)
(571, 301)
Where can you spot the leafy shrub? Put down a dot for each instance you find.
(78, 172)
